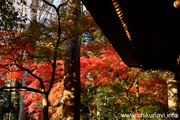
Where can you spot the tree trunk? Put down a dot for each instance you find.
(45, 107)
(71, 95)
(23, 113)
(33, 10)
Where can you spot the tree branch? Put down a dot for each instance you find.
(131, 85)
(55, 54)
(20, 88)
(35, 76)
(58, 42)
(65, 3)
(50, 4)
(70, 37)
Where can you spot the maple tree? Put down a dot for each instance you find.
(18, 55)
(45, 69)
(95, 70)
(18, 58)
(108, 69)
(103, 72)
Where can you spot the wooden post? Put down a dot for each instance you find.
(172, 95)
(174, 91)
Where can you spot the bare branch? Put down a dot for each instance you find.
(67, 38)
(5, 65)
(35, 76)
(65, 3)
(131, 85)
(50, 4)
(20, 88)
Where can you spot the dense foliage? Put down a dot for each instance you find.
(109, 88)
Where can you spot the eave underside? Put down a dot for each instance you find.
(153, 27)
